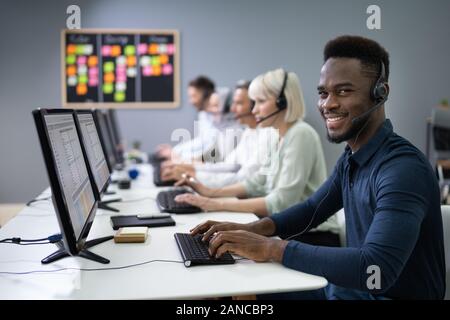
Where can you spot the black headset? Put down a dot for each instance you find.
(281, 101)
(379, 94)
(379, 90)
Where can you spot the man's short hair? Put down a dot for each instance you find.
(242, 84)
(203, 84)
(368, 51)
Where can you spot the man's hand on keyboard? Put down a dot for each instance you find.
(205, 203)
(248, 245)
(210, 227)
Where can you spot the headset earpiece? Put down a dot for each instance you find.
(281, 101)
(379, 90)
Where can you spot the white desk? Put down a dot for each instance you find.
(157, 280)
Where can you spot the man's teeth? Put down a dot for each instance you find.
(334, 118)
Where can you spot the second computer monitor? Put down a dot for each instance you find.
(94, 150)
(105, 136)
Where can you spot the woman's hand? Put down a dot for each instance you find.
(205, 203)
(175, 172)
(188, 180)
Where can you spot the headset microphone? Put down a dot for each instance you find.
(369, 112)
(269, 116)
(379, 93)
(281, 101)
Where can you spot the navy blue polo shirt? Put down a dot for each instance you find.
(393, 222)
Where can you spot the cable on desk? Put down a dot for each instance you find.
(24, 242)
(139, 199)
(36, 200)
(90, 269)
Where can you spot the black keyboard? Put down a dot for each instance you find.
(155, 159)
(195, 252)
(166, 202)
(157, 178)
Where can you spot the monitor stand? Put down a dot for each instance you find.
(104, 205)
(62, 252)
(109, 192)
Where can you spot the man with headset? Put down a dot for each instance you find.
(199, 91)
(385, 185)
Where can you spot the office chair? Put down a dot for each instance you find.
(440, 125)
(446, 225)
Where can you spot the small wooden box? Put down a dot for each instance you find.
(131, 234)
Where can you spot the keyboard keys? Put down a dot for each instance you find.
(195, 252)
(166, 202)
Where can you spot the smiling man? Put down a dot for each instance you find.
(385, 185)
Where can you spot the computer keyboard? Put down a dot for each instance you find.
(157, 181)
(195, 252)
(166, 202)
(154, 158)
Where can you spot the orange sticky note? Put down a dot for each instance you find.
(115, 50)
(131, 61)
(156, 70)
(71, 70)
(71, 49)
(153, 48)
(108, 77)
(81, 89)
(164, 59)
(92, 61)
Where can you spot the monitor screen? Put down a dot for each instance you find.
(106, 139)
(115, 143)
(94, 150)
(71, 168)
(115, 126)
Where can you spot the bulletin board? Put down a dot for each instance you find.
(107, 68)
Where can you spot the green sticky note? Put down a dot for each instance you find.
(108, 66)
(70, 59)
(130, 50)
(155, 61)
(79, 49)
(108, 88)
(119, 96)
(82, 78)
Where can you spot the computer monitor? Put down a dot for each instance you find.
(94, 150)
(72, 191)
(105, 138)
(115, 139)
(95, 156)
(115, 127)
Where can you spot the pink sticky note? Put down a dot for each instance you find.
(106, 51)
(81, 60)
(121, 69)
(171, 48)
(121, 77)
(93, 82)
(167, 69)
(142, 48)
(147, 71)
(93, 72)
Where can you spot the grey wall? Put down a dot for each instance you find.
(227, 40)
